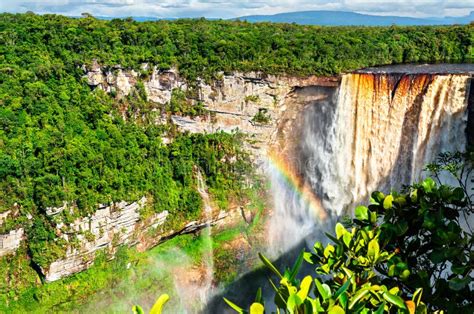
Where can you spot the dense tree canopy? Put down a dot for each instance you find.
(53, 44)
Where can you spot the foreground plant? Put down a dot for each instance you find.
(401, 247)
(157, 307)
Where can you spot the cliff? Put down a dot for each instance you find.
(231, 104)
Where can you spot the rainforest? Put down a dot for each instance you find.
(200, 158)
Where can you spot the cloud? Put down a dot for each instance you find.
(233, 8)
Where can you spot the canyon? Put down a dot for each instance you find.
(332, 139)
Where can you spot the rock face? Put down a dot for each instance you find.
(110, 227)
(470, 119)
(10, 242)
(233, 101)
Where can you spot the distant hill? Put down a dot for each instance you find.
(351, 18)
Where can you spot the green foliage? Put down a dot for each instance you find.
(157, 307)
(180, 104)
(399, 246)
(262, 116)
(198, 48)
(252, 98)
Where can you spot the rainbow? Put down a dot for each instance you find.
(297, 184)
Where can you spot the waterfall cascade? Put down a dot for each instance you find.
(208, 257)
(377, 131)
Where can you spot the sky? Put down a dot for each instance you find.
(235, 8)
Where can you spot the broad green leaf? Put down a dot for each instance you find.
(362, 213)
(378, 196)
(380, 309)
(296, 266)
(346, 238)
(328, 250)
(269, 264)
(336, 309)
(158, 306)
(458, 270)
(457, 284)
(395, 300)
(401, 228)
(405, 274)
(234, 306)
(428, 184)
(342, 289)
(293, 303)
(323, 289)
(257, 308)
(343, 298)
(387, 203)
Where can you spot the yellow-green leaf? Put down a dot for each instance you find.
(269, 264)
(257, 308)
(395, 300)
(417, 296)
(388, 201)
(336, 310)
(236, 308)
(137, 309)
(328, 250)
(304, 287)
(340, 230)
(373, 249)
(158, 306)
(358, 296)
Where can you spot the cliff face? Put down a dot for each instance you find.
(231, 102)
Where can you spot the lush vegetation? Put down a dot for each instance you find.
(52, 44)
(63, 143)
(112, 286)
(408, 252)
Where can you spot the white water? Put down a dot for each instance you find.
(378, 132)
(208, 258)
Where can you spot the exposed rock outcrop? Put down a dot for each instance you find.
(233, 101)
(112, 226)
(10, 242)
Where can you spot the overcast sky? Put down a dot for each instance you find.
(231, 8)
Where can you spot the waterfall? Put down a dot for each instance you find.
(377, 132)
(208, 257)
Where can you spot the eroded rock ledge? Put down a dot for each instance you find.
(110, 227)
